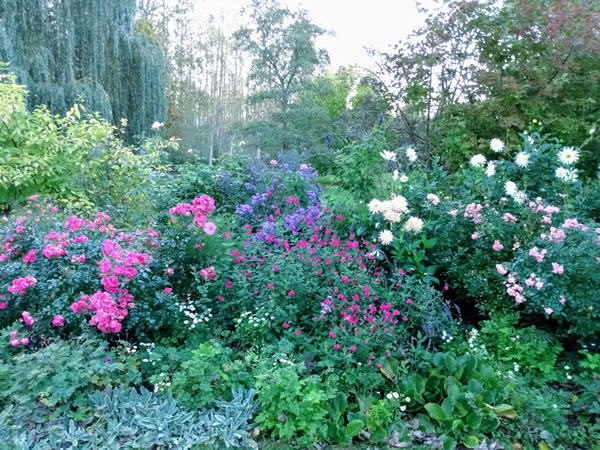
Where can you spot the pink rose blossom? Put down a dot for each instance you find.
(501, 269)
(27, 318)
(58, 321)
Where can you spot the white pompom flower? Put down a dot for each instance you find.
(478, 161)
(497, 145)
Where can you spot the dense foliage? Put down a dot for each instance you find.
(64, 50)
(387, 292)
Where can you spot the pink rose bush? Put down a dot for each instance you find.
(62, 270)
(516, 249)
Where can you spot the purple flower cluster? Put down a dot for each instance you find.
(244, 209)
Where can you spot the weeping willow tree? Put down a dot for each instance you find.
(69, 51)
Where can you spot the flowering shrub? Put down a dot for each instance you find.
(78, 160)
(558, 274)
(511, 214)
(52, 271)
(321, 288)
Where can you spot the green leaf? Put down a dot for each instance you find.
(450, 363)
(475, 386)
(469, 362)
(435, 411)
(457, 427)
(354, 427)
(504, 411)
(473, 421)
(448, 407)
(364, 402)
(378, 434)
(339, 405)
(438, 359)
(419, 257)
(428, 243)
(471, 442)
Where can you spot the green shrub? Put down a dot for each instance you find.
(294, 408)
(527, 350)
(80, 161)
(208, 373)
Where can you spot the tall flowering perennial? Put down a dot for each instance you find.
(322, 278)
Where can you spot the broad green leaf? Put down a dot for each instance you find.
(354, 427)
(471, 442)
(435, 411)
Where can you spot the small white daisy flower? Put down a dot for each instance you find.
(411, 154)
(510, 188)
(388, 155)
(568, 156)
(375, 206)
(413, 225)
(561, 173)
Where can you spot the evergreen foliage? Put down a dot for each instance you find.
(66, 49)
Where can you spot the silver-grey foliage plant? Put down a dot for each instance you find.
(126, 418)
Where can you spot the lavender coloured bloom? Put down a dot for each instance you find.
(326, 308)
(428, 330)
(447, 311)
(314, 211)
(259, 198)
(268, 229)
(249, 186)
(292, 221)
(244, 209)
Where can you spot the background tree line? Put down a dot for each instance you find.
(476, 69)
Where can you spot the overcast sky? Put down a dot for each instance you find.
(356, 23)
